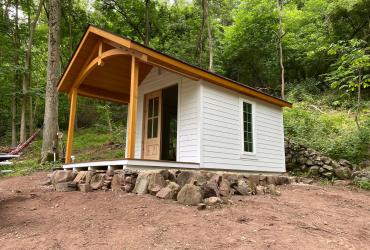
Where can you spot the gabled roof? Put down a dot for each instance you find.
(111, 82)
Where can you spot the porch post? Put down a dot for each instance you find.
(71, 125)
(132, 109)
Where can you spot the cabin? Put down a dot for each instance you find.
(179, 115)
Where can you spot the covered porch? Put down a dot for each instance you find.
(111, 68)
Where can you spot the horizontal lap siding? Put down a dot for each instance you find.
(221, 130)
(188, 118)
(188, 112)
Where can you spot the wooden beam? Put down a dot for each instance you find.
(102, 94)
(132, 108)
(71, 125)
(94, 63)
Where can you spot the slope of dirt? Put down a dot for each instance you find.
(306, 217)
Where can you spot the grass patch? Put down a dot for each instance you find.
(89, 145)
(363, 184)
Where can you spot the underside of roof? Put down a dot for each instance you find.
(101, 68)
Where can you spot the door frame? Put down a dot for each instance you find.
(179, 84)
(144, 123)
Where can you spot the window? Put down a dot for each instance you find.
(153, 108)
(248, 127)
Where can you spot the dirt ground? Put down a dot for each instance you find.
(33, 216)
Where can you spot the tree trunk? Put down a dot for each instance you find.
(147, 22)
(26, 83)
(210, 40)
(50, 140)
(280, 37)
(16, 76)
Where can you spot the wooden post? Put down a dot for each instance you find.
(71, 125)
(132, 109)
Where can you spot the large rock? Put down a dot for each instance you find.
(213, 201)
(190, 195)
(190, 177)
(210, 189)
(62, 176)
(243, 188)
(168, 175)
(80, 177)
(156, 183)
(142, 182)
(314, 171)
(169, 192)
(97, 181)
(118, 182)
(84, 187)
(343, 173)
(224, 188)
(66, 186)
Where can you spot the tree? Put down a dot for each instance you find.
(351, 70)
(26, 83)
(280, 35)
(50, 139)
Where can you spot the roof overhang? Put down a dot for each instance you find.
(100, 68)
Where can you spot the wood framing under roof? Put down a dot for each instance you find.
(101, 68)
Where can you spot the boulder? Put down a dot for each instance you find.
(224, 188)
(210, 188)
(189, 177)
(84, 187)
(260, 190)
(142, 182)
(169, 192)
(168, 175)
(190, 195)
(62, 176)
(65, 186)
(343, 173)
(231, 178)
(271, 179)
(97, 181)
(243, 187)
(213, 201)
(156, 183)
(255, 179)
(117, 182)
(327, 174)
(314, 171)
(80, 177)
(327, 167)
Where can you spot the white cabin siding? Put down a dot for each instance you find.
(188, 148)
(221, 132)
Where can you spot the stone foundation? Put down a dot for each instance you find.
(203, 188)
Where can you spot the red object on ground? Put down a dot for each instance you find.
(23, 145)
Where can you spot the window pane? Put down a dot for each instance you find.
(156, 102)
(155, 127)
(150, 128)
(150, 108)
(247, 127)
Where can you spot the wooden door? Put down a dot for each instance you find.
(152, 126)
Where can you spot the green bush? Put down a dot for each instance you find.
(334, 132)
(363, 184)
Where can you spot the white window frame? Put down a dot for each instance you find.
(247, 153)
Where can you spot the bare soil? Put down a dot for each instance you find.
(33, 216)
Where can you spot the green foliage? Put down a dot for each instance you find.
(352, 68)
(332, 132)
(363, 184)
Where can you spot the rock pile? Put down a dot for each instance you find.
(187, 187)
(304, 159)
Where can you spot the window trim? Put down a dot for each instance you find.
(247, 153)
